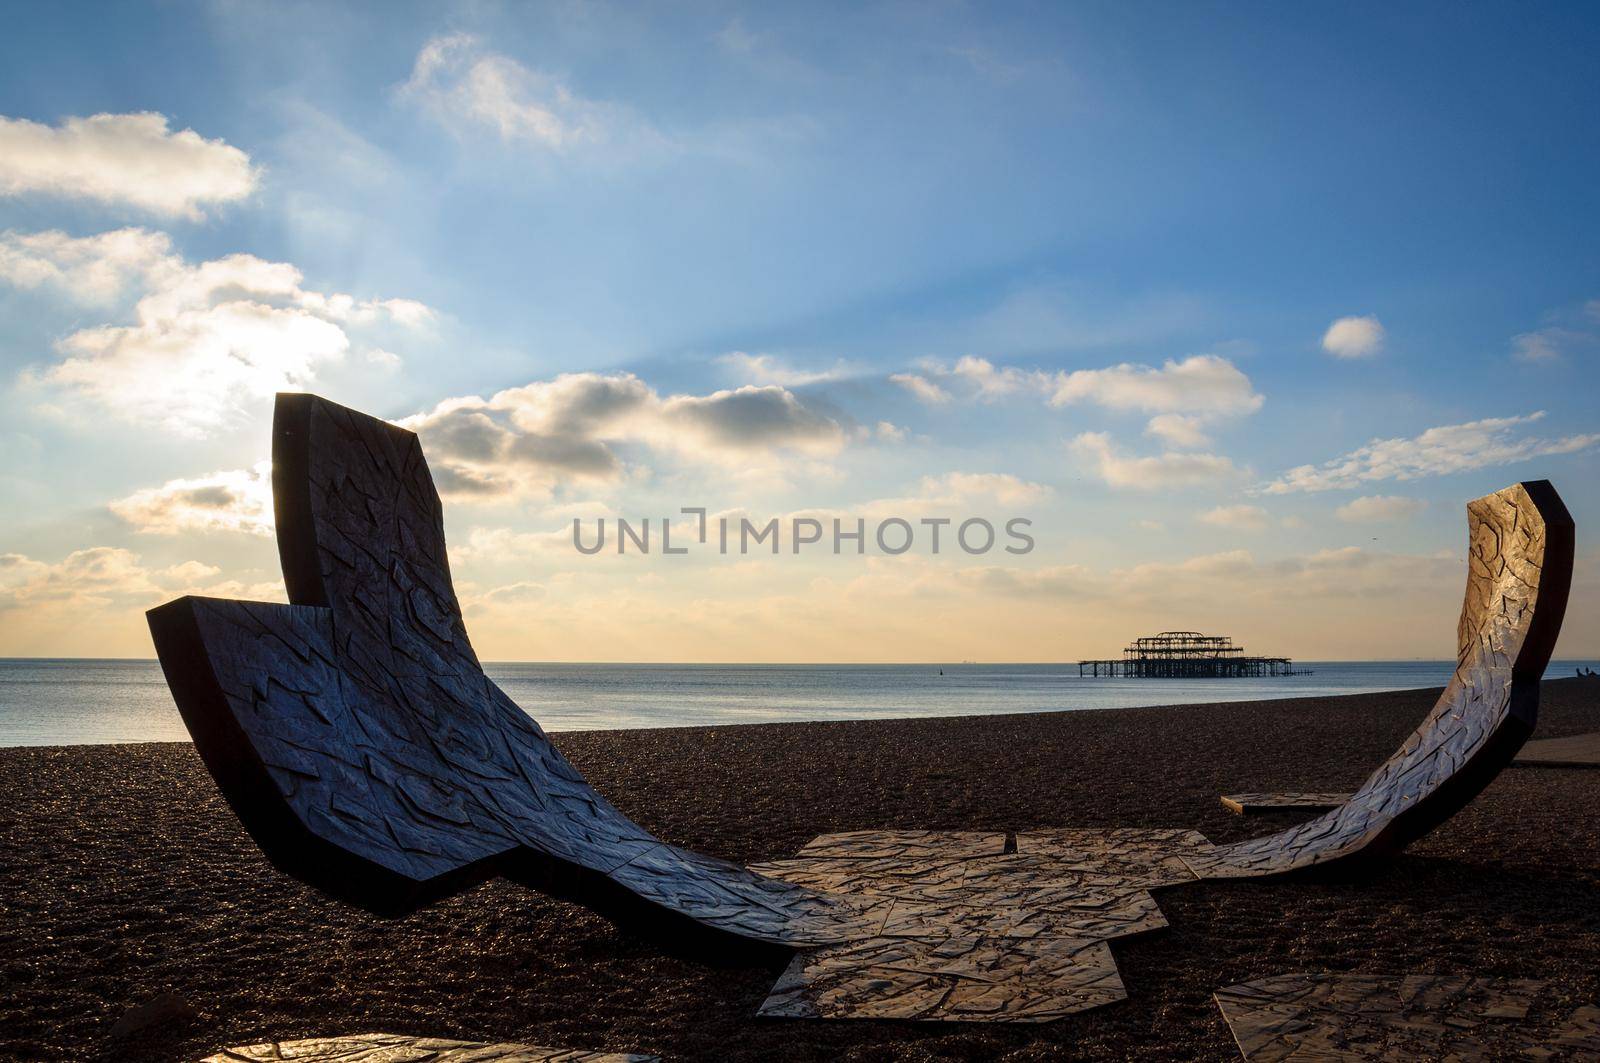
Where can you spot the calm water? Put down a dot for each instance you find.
(69, 702)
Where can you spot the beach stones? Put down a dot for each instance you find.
(167, 1009)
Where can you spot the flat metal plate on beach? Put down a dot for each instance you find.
(1401, 1017)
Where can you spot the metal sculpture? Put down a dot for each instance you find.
(357, 738)
(1519, 568)
(355, 734)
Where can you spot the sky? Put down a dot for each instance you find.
(1236, 305)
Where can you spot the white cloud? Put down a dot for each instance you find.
(527, 439)
(102, 576)
(924, 389)
(1373, 509)
(1354, 337)
(1348, 575)
(1565, 331)
(1241, 518)
(90, 269)
(511, 594)
(505, 544)
(1543, 345)
(992, 381)
(769, 369)
(232, 330)
(1445, 449)
(1183, 395)
(236, 500)
(1203, 384)
(129, 160)
(1550, 344)
(458, 81)
(1149, 473)
(735, 37)
(1178, 430)
(1001, 487)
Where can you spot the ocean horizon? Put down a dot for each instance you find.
(90, 701)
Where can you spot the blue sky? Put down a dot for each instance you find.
(911, 258)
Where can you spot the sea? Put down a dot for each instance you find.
(78, 701)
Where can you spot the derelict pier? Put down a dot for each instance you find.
(1187, 655)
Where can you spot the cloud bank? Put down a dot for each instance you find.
(1445, 449)
(234, 500)
(526, 439)
(461, 83)
(125, 160)
(234, 330)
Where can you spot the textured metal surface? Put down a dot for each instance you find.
(1519, 566)
(906, 844)
(975, 933)
(359, 741)
(1573, 751)
(1249, 804)
(1364, 1017)
(949, 979)
(397, 1048)
(1157, 857)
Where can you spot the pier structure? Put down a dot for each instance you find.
(1187, 655)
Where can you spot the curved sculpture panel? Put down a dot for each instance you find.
(1519, 568)
(356, 736)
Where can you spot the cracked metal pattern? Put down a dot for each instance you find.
(1518, 571)
(949, 979)
(975, 933)
(906, 844)
(1249, 804)
(397, 1048)
(1365, 1017)
(1154, 856)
